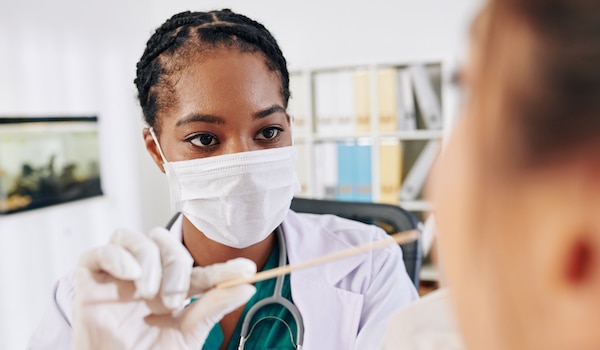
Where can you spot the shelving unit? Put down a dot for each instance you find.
(316, 92)
(362, 109)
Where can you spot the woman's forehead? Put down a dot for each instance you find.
(222, 83)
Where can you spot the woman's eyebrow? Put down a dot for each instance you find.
(269, 111)
(213, 119)
(205, 118)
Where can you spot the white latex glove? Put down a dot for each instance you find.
(131, 293)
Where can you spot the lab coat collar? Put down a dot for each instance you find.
(313, 248)
(317, 241)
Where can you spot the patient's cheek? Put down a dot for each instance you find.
(451, 191)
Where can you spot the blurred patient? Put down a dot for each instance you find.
(517, 188)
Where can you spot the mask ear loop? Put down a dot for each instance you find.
(174, 189)
(162, 155)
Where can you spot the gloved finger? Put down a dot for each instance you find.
(112, 259)
(147, 254)
(200, 317)
(205, 278)
(176, 268)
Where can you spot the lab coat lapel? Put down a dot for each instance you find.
(326, 309)
(306, 241)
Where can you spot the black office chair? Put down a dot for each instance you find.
(389, 217)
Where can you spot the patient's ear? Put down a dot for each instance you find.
(571, 245)
(580, 237)
(580, 259)
(576, 293)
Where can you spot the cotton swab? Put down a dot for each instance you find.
(397, 238)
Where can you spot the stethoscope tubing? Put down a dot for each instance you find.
(276, 298)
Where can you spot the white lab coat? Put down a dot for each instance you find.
(345, 304)
(428, 324)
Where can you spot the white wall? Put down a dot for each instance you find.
(73, 57)
(67, 57)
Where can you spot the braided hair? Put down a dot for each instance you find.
(185, 34)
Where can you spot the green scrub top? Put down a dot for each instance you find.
(268, 333)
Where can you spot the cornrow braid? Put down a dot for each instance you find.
(172, 43)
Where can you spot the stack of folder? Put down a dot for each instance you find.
(346, 151)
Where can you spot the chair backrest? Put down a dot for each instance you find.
(391, 218)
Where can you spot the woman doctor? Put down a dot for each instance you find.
(213, 87)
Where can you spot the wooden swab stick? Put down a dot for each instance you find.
(397, 238)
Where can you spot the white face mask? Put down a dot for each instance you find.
(235, 199)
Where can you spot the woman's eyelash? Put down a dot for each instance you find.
(277, 129)
(202, 139)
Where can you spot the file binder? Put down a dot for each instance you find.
(362, 100)
(346, 182)
(325, 103)
(362, 168)
(387, 92)
(407, 116)
(298, 105)
(413, 183)
(427, 100)
(303, 167)
(390, 171)
(345, 111)
(325, 171)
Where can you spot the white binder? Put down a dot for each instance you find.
(413, 183)
(427, 100)
(298, 105)
(345, 113)
(325, 172)
(407, 115)
(325, 103)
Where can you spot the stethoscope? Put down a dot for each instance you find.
(276, 298)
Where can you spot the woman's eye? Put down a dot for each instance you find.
(203, 140)
(269, 133)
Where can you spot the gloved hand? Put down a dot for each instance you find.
(131, 294)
